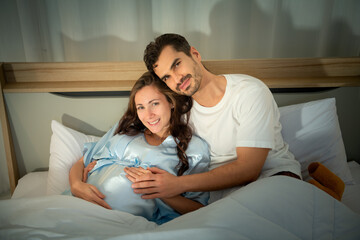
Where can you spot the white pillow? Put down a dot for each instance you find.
(311, 129)
(66, 147)
(33, 184)
(313, 133)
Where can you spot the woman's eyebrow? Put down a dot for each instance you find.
(155, 99)
(152, 100)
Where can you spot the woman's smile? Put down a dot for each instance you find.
(154, 122)
(153, 110)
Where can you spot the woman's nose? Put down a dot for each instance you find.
(149, 113)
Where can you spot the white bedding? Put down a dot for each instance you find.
(351, 196)
(271, 208)
(34, 184)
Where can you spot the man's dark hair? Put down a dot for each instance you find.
(153, 49)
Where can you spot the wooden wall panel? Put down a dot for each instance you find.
(120, 76)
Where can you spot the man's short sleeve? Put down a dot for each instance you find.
(255, 116)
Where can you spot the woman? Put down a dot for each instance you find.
(152, 132)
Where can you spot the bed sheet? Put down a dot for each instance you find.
(271, 208)
(34, 184)
(351, 196)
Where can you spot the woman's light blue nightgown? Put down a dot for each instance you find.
(114, 152)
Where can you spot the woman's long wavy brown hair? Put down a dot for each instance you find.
(179, 128)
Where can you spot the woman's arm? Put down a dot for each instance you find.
(76, 173)
(182, 204)
(82, 189)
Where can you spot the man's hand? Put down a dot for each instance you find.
(89, 193)
(154, 183)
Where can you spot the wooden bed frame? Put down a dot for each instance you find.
(120, 76)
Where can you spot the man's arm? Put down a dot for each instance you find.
(82, 189)
(246, 168)
(182, 204)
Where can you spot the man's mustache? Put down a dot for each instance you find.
(182, 80)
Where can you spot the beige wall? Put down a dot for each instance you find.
(30, 116)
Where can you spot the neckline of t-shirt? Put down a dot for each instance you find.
(219, 104)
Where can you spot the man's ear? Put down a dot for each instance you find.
(196, 55)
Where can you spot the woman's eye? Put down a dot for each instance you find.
(155, 103)
(177, 64)
(140, 108)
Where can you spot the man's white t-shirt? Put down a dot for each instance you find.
(246, 116)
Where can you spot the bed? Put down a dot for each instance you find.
(272, 208)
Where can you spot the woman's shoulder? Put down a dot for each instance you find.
(197, 138)
(198, 153)
(197, 144)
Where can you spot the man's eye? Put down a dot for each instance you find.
(165, 78)
(177, 64)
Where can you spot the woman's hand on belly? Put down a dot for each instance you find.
(88, 168)
(89, 193)
(134, 172)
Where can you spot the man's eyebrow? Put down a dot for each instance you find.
(174, 63)
(171, 67)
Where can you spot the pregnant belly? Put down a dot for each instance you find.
(111, 181)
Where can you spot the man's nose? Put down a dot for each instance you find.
(177, 78)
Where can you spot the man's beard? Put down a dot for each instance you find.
(197, 78)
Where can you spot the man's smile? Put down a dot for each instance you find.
(185, 83)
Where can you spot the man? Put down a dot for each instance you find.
(235, 114)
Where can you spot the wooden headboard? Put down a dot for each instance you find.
(120, 76)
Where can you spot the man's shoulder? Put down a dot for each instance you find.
(241, 85)
(243, 79)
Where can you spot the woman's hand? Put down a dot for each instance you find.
(88, 168)
(89, 193)
(82, 189)
(134, 173)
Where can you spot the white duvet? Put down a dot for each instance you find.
(272, 208)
